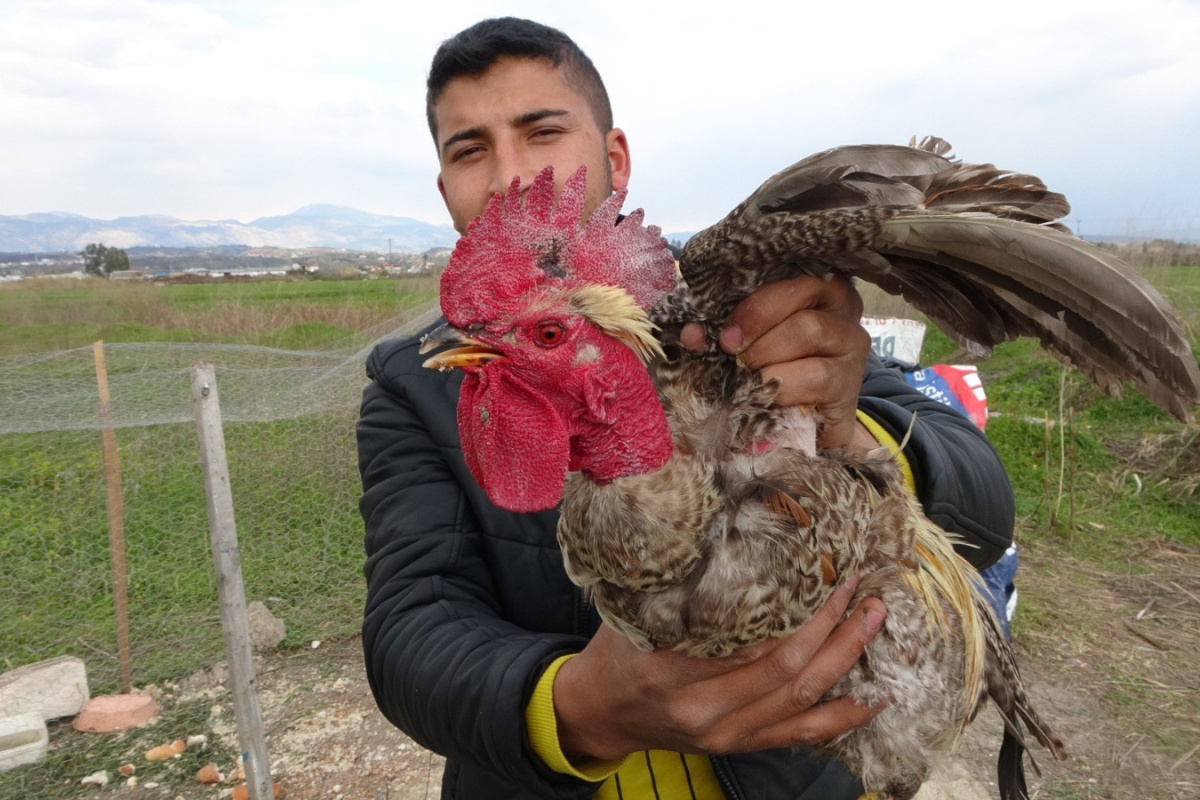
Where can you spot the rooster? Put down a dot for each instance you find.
(696, 513)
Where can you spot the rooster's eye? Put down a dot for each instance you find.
(549, 334)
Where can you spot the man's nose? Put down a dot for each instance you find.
(510, 163)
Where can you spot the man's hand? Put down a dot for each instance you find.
(806, 333)
(613, 699)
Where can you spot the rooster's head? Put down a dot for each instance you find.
(550, 318)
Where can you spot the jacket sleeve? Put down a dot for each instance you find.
(443, 664)
(960, 480)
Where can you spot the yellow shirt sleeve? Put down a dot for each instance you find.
(543, 731)
(885, 439)
(645, 774)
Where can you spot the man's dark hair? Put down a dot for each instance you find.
(474, 50)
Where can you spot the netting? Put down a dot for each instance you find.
(289, 431)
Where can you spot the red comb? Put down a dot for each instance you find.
(518, 244)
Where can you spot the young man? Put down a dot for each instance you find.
(476, 643)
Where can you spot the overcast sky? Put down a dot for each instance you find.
(249, 108)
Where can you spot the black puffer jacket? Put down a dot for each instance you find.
(467, 604)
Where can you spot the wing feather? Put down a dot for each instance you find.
(976, 248)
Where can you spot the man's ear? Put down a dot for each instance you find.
(618, 158)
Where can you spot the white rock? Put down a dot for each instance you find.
(97, 778)
(56, 687)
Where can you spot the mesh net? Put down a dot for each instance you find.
(288, 420)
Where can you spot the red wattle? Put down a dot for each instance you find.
(513, 441)
(622, 429)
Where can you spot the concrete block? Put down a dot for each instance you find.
(56, 687)
(23, 739)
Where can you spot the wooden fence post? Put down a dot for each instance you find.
(251, 734)
(115, 504)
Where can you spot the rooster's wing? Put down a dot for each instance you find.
(975, 248)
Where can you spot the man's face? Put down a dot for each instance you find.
(513, 120)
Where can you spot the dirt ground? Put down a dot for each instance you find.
(1111, 660)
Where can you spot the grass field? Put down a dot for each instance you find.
(1104, 474)
(36, 316)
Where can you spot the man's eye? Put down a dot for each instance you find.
(549, 334)
(466, 151)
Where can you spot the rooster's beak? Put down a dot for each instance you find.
(469, 353)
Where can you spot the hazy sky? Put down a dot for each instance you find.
(241, 109)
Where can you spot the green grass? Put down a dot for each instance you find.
(39, 316)
(19, 339)
(294, 481)
(295, 490)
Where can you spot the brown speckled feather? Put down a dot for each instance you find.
(978, 249)
(744, 534)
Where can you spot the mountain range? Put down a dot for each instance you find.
(311, 226)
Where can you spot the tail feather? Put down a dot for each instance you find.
(1006, 690)
(1010, 771)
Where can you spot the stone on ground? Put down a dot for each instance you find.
(266, 629)
(115, 712)
(56, 687)
(23, 739)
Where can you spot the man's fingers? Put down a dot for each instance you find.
(791, 709)
(762, 310)
(806, 683)
(768, 665)
(763, 695)
(692, 336)
(818, 724)
(814, 347)
(807, 333)
(812, 381)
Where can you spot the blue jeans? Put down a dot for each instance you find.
(998, 582)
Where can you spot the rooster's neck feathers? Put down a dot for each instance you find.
(614, 311)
